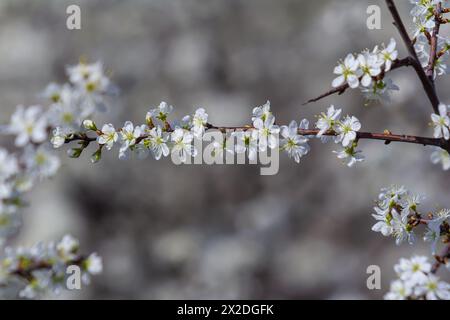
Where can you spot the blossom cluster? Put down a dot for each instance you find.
(397, 214)
(425, 17)
(346, 134)
(367, 72)
(42, 268)
(33, 158)
(417, 282)
(161, 137)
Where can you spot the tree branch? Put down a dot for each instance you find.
(427, 84)
(387, 136)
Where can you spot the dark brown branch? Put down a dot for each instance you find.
(341, 89)
(427, 84)
(387, 137)
(79, 137)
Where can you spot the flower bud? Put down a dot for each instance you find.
(89, 125)
(96, 156)
(74, 152)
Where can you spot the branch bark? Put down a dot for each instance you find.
(434, 43)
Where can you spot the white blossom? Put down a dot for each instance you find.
(67, 247)
(29, 125)
(160, 113)
(399, 291)
(350, 156)
(58, 138)
(67, 111)
(89, 77)
(422, 25)
(295, 145)
(263, 112)
(370, 66)
(53, 92)
(94, 264)
(410, 204)
(129, 135)
(348, 72)
(182, 144)
(327, 121)
(380, 90)
(389, 54)
(40, 161)
(8, 164)
(247, 141)
(384, 221)
(108, 137)
(421, 7)
(199, 122)
(413, 270)
(403, 230)
(10, 222)
(392, 195)
(268, 133)
(442, 215)
(158, 142)
(433, 289)
(347, 130)
(441, 123)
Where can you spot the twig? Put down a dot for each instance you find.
(434, 43)
(341, 89)
(441, 259)
(27, 272)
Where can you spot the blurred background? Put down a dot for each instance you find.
(194, 232)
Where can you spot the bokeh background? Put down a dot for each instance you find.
(225, 231)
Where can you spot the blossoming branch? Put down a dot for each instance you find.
(70, 119)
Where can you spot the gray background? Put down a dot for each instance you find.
(222, 231)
